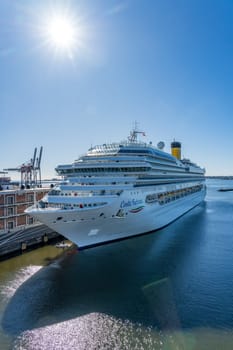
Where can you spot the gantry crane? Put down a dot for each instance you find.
(29, 171)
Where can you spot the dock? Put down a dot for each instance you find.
(26, 239)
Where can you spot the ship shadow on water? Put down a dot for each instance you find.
(130, 280)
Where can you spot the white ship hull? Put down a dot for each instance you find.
(91, 227)
(120, 190)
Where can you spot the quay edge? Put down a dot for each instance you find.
(25, 240)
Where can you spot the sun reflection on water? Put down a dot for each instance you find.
(20, 277)
(92, 331)
(102, 331)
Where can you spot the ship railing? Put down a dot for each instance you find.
(91, 193)
(113, 147)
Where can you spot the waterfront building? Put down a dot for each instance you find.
(13, 202)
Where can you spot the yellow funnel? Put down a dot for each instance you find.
(176, 149)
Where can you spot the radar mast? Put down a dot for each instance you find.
(133, 137)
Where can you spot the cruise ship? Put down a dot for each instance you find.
(120, 190)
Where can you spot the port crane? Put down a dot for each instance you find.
(30, 171)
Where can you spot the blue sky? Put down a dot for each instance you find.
(167, 64)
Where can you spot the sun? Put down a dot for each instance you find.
(61, 32)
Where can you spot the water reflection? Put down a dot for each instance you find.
(21, 276)
(129, 280)
(100, 331)
(92, 331)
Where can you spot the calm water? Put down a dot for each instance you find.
(172, 289)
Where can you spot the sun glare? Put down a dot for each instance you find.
(61, 33)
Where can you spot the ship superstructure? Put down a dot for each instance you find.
(119, 190)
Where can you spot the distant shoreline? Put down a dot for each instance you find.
(220, 177)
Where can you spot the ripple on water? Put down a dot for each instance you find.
(101, 331)
(21, 276)
(92, 331)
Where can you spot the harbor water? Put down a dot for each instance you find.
(171, 289)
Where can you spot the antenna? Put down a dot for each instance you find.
(134, 133)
